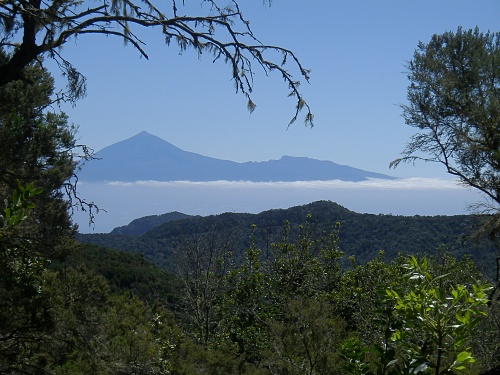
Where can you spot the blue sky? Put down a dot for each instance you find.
(356, 51)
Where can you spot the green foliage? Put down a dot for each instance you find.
(485, 341)
(36, 160)
(454, 105)
(427, 322)
(361, 235)
(305, 339)
(438, 319)
(247, 307)
(307, 265)
(287, 308)
(17, 209)
(38, 149)
(63, 322)
(99, 333)
(23, 305)
(125, 273)
(355, 356)
(202, 264)
(67, 322)
(357, 290)
(190, 358)
(78, 299)
(142, 225)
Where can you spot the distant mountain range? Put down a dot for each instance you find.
(148, 157)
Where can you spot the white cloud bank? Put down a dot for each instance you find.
(403, 183)
(126, 201)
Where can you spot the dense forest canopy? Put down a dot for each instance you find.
(361, 235)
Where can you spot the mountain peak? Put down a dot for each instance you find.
(144, 133)
(142, 143)
(148, 157)
(146, 137)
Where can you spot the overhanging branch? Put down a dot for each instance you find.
(225, 33)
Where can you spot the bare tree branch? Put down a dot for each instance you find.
(223, 31)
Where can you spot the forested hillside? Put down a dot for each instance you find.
(124, 272)
(361, 235)
(142, 225)
(299, 311)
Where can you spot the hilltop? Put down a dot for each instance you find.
(361, 235)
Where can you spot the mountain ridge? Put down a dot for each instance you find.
(360, 234)
(148, 157)
(143, 224)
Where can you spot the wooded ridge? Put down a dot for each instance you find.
(361, 235)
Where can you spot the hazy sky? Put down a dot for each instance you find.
(356, 50)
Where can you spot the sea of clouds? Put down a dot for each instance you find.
(126, 201)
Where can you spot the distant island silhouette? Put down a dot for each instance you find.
(148, 157)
